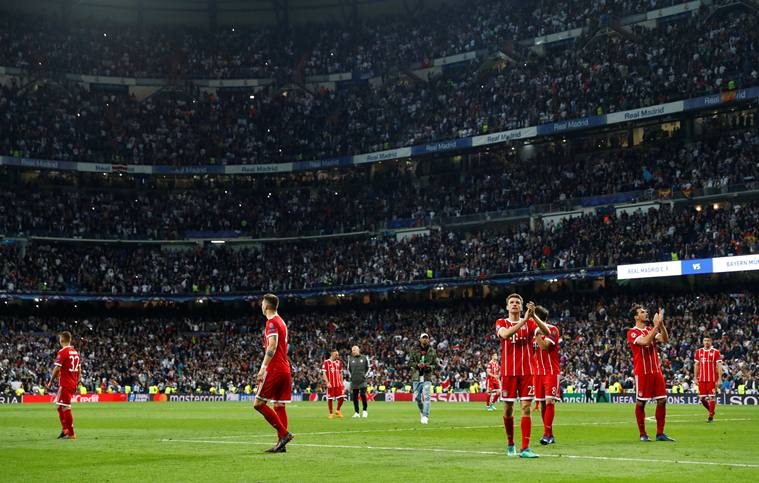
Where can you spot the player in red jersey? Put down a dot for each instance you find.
(493, 371)
(649, 380)
(332, 372)
(516, 336)
(708, 372)
(67, 370)
(546, 365)
(274, 379)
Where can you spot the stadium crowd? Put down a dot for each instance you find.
(193, 354)
(356, 200)
(186, 126)
(591, 240)
(114, 49)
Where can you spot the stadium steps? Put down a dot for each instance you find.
(717, 10)
(413, 77)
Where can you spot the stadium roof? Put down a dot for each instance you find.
(228, 12)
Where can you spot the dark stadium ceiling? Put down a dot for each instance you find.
(228, 12)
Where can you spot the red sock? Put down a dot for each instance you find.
(487, 401)
(329, 405)
(62, 418)
(272, 418)
(282, 415)
(340, 403)
(526, 425)
(508, 423)
(69, 420)
(661, 416)
(705, 404)
(548, 419)
(640, 415)
(543, 408)
(712, 407)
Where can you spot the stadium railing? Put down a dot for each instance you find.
(319, 291)
(526, 135)
(538, 43)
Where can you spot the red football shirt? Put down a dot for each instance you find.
(334, 372)
(516, 351)
(68, 360)
(493, 369)
(546, 361)
(707, 364)
(645, 358)
(279, 363)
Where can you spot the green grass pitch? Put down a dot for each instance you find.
(224, 442)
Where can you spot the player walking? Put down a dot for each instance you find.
(547, 390)
(332, 372)
(274, 379)
(423, 363)
(67, 369)
(516, 336)
(358, 371)
(493, 382)
(708, 372)
(649, 381)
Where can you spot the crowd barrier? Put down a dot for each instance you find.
(454, 397)
(77, 398)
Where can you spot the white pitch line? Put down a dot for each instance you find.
(464, 451)
(322, 433)
(438, 428)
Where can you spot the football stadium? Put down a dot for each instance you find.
(379, 240)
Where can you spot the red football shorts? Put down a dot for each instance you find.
(276, 388)
(336, 392)
(517, 387)
(650, 386)
(706, 388)
(63, 396)
(547, 387)
(493, 385)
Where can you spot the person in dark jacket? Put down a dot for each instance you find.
(358, 369)
(423, 364)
